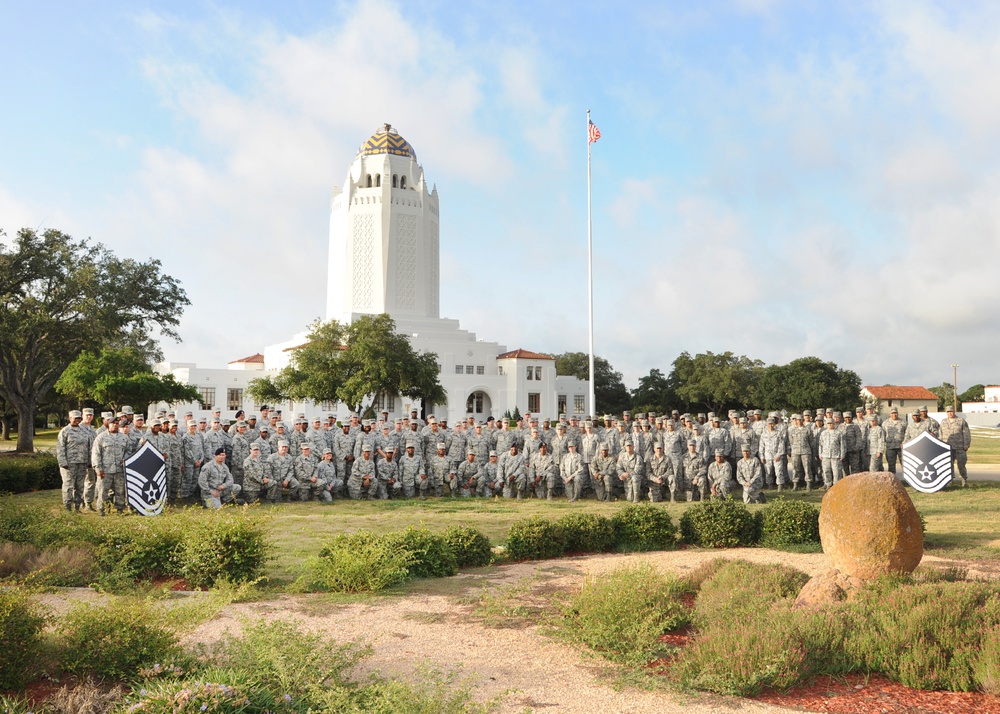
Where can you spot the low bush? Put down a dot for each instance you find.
(622, 614)
(740, 588)
(719, 524)
(20, 637)
(35, 472)
(643, 526)
(134, 549)
(431, 555)
(987, 668)
(230, 543)
(355, 562)
(116, 639)
(587, 533)
(787, 522)
(211, 691)
(705, 571)
(471, 547)
(535, 538)
(19, 521)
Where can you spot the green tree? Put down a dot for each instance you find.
(806, 383)
(654, 393)
(609, 389)
(117, 376)
(60, 296)
(716, 381)
(975, 393)
(366, 360)
(945, 394)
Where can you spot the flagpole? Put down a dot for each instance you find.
(590, 274)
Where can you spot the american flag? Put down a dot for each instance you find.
(593, 133)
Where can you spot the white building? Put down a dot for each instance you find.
(385, 257)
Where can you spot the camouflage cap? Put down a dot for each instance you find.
(328, 450)
(847, 415)
(806, 412)
(692, 442)
(305, 445)
(796, 417)
(441, 446)
(282, 442)
(720, 452)
(873, 418)
(87, 410)
(772, 420)
(127, 409)
(472, 452)
(923, 409)
(76, 414)
(366, 447)
(894, 410)
(950, 408)
(265, 429)
(492, 453)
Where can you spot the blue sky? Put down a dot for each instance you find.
(779, 179)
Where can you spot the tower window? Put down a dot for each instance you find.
(378, 179)
(369, 180)
(394, 180)
(402, 182)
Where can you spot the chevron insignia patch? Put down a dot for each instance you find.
(927, 463)
(146, 480)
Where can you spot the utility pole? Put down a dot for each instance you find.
(954, 386)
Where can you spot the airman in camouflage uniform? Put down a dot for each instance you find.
(916, 427)
(108, 456)
(479, 443)
(257, 478)
(411, 469)
(631, 472)
(363, 482)
(659, 476)
(773, 454)
(240, 450)
(932, 424)
(282, 470)
(750, 475)
(604, 473)
(176, 448)
(513, 473)
(73, 447)
(387, 470)
(720, 476)
(491, 486)
(895, 432)
(955, 432)
(853, 444)
(216, 482)
(831, 452)
(695, 473)
(305, 474)
(571, 470)
(543, 470)
(504, 437)
(469, 479)
(874, 444)
(800, 444)
(674, 448)
(438, 470)
(193, 458)
(90, 481)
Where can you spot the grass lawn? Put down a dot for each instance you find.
(985, 447)
(960, 523)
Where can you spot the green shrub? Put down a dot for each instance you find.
(471, 547)
(643, 526)
(37, 472)
(587, 533)
(20, 637)
(987, 667)
(62, 528)
(704, 572)
(621, 614)
(212, 691)
(719, 524)
(431, 556)
(535, 538)
(230, 543)
(356, 562)
(134, 549)
(19, 521)
(739, 589)
(787, 522)
(116, 639)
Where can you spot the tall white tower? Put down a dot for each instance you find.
(384, 235)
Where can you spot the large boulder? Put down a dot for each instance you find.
(869, 526)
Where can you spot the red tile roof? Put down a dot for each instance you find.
(252, 359)
(894, 392)
(524, 354)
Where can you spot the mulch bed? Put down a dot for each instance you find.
(862, 694)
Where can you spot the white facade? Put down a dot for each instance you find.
(385, 258)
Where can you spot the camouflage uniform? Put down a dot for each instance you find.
(255, 470)
(282, 471)
(955, 432)
(490, 475)
(343, 453)
(363, 470)
(193, 449)
(695, 475)
(387, 473)
(73, 447)
(750, 475)
(571, 472)
(831, 452)
(513, 472)
(469, 479)
(853, 445)
(108, 456)
(604, 473)
(438, 473)
(773, 454)
(895, 431)
(800, 445)
(410, 469)
(674, 448)
(240, 452)
(875, 446)
(542, 471)
(305, 470)
(631, 471)
(660, 477)
(720, 479)
(216, 478)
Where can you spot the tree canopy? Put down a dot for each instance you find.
(716, 381)
(609, 389)
(366, 360)
(807, 383)
(60, 296)
(654, 393)
(117, 376)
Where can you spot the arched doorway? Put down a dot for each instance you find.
(479, 405)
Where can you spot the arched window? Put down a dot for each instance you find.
(378, 179)
(394, 180)
(369, 180)
(402, 182)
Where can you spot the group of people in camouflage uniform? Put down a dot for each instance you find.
(669, 457)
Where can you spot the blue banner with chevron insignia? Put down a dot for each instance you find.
(146, 480)
(927, 463)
